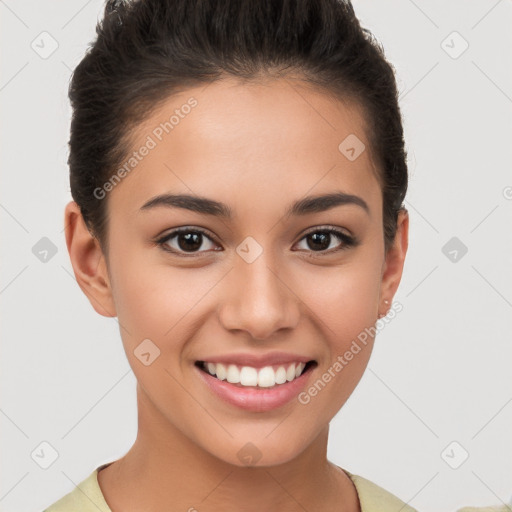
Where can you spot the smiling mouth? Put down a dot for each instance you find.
(248, 376)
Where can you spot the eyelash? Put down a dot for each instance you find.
(347, 240)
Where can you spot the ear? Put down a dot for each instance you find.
(394, 261)
(88, 262)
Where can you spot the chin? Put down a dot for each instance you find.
(261, 452)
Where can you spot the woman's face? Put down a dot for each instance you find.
(265, 280)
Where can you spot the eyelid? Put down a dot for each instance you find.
(185, 229)
(326, 227)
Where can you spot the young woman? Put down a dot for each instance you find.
(238, 173)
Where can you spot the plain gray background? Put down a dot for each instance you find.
(438, 385)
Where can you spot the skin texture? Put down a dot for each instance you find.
(257, 148)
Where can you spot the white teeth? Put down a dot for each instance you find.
(220, 371)
(233, 375)
(248, 376)
(281, 375)
(265, 377)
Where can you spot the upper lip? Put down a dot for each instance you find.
(258, 361)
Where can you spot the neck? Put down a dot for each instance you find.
(166, 470)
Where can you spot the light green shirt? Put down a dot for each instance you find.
(87, 497)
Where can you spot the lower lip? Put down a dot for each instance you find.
(256, 399)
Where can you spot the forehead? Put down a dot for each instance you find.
(272, 137)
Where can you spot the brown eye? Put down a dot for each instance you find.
(322, 240)
(186, 240)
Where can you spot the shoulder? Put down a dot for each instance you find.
(374, 498)
(85, 497)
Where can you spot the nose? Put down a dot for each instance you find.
(258, 300)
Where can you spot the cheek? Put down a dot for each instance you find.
(343, 305)
(157, 301)
(344, 299)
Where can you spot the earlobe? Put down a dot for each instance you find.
(88, 262)
(395, 258)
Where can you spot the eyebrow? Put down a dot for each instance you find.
(203, 205)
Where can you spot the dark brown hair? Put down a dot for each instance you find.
(147, 50)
